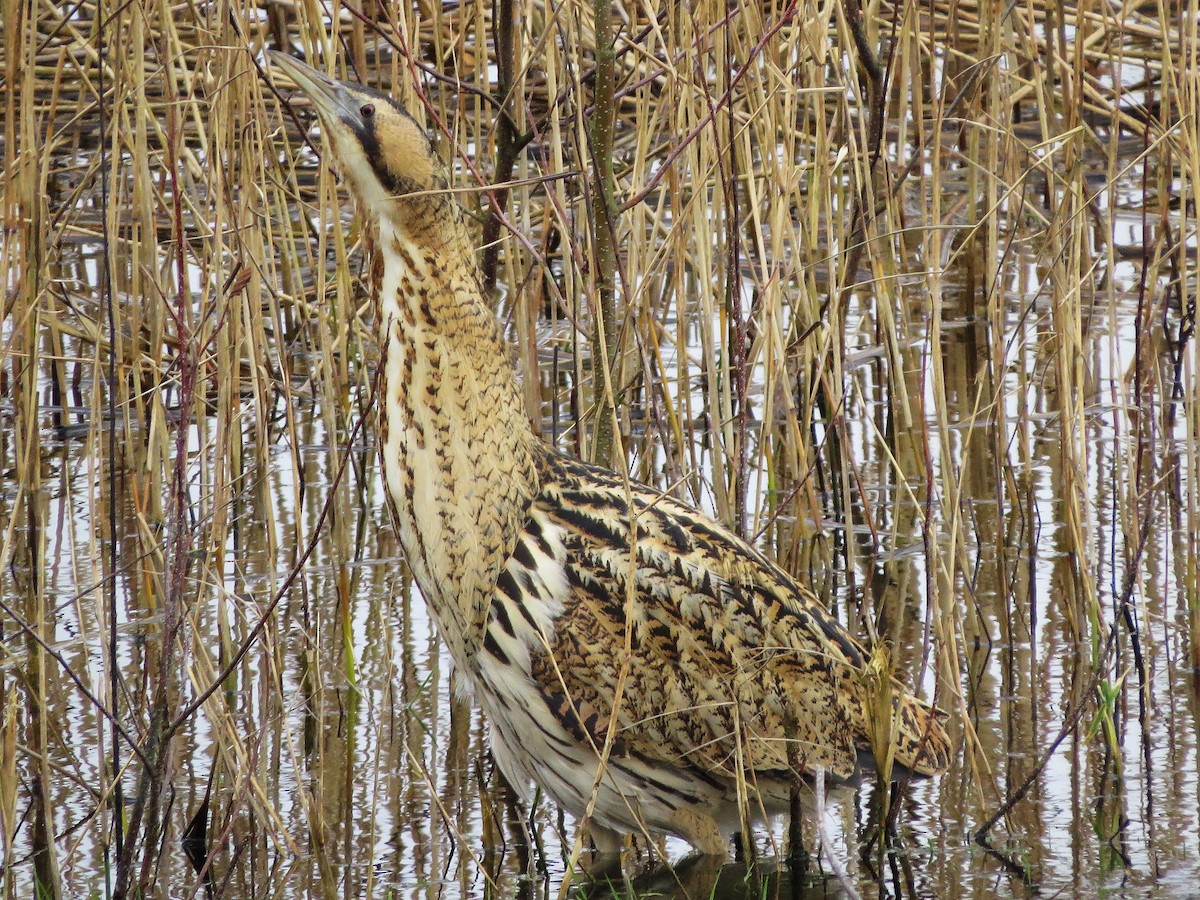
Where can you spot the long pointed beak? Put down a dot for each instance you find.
(330, 97)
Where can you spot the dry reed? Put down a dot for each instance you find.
(905, 292)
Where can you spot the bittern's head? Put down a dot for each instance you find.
(379, 148)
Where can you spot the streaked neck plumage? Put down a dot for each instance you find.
(459, 456)
(458, 451)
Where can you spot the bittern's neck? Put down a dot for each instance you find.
(458, 451)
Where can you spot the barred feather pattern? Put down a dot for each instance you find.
(718, 664)
(642, 684)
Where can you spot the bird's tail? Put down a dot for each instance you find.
(899, 729)
(922, 745)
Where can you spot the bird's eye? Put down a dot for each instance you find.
(367, 110)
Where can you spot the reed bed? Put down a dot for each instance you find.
(904, 292)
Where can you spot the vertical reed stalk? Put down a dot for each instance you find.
(509, 138)
(603, 215)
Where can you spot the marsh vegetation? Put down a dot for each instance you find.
(903, 292)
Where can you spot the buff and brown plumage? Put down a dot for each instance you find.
(713, 668)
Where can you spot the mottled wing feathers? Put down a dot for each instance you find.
(922, 744)
(724, 655)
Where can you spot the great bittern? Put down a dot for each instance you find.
(714, 669)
